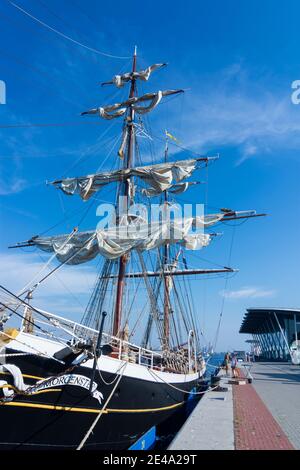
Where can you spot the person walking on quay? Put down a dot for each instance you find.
(233, 365)
(226, 362)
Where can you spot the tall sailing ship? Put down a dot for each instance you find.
(87, 384)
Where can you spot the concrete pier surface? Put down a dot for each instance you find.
(263, 415)
(210, 425)
(278, 385)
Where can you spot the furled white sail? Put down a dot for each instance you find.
(123, 142)
(208, 220)
(119, 240)
(120, 80)
(155, 100)
(159, 177)
(174, 188)
(79, 249)
(118, 109)
(108, 112)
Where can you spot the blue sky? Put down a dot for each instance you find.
(236, 58)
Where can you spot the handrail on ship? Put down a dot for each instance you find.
(123, 347)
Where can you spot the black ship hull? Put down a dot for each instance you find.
(59, 414)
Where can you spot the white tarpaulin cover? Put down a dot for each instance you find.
(159, 177)
(116, 241)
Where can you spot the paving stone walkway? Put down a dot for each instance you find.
(278, 385)
(264, 415)
(254, 426)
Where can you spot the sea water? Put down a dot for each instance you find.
(213, 363)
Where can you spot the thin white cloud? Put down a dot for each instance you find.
(248, 292)
(234, 110)
(14, 186)
(230, 109)
(243, 121)
(12, 179)
(18, 211)
(66, 291)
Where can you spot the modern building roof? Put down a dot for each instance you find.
(254, 318)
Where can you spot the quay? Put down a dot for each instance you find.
(261, 415)
(210, 425)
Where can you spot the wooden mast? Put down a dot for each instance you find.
(166, 339)
(127, 164)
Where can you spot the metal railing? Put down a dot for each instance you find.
(121, 349)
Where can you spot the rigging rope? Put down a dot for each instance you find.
(50, 124)
(39, 353)
(152, 298)
(90, 430)
(17, 355)
(25, 289)
(44, 278)
(96, 51)
(224, 293)
(117, 371)
(179, 389)
(95, 304)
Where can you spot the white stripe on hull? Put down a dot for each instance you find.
(29, 343)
